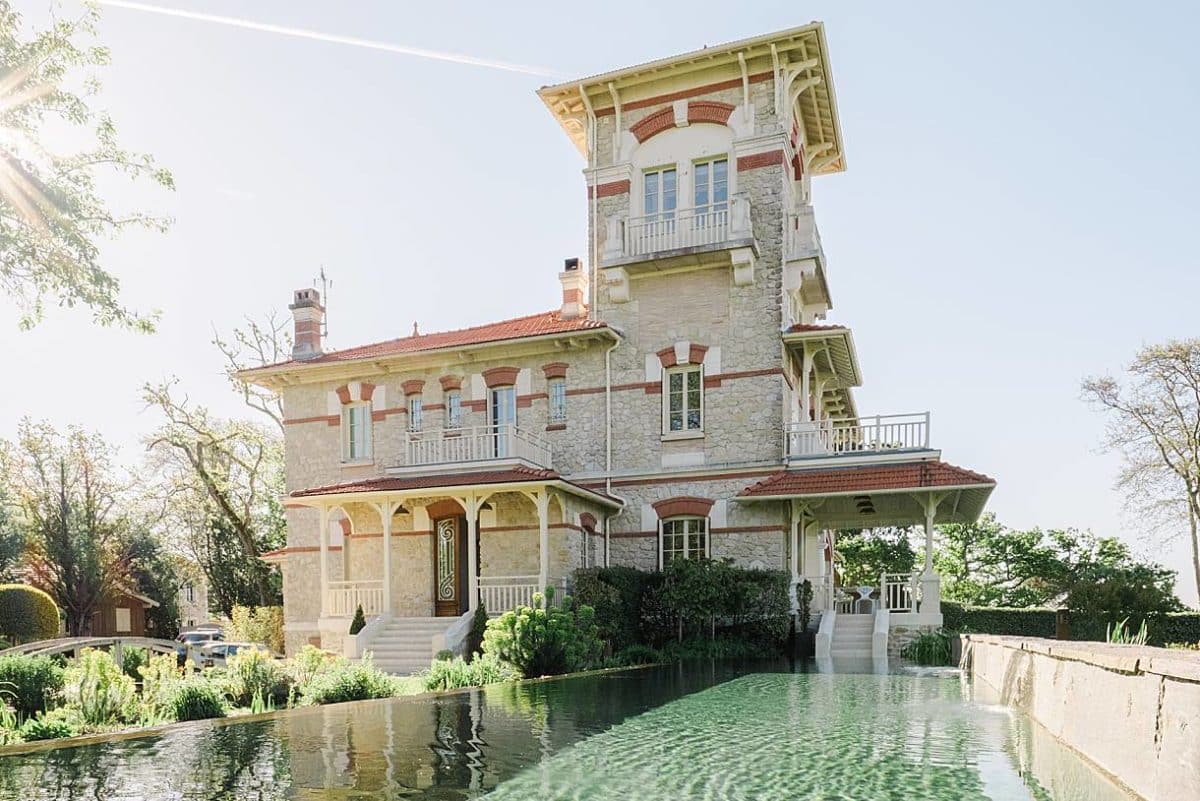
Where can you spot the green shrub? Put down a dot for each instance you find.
(27, 613)
(32, 681)
(706, 597)
(545, 639)
(341, 681)
(930, 648)
(197, 698)
(1120, 634)
(705, 648)
(444, 655)
(1041, 622)
(616, 595)
(304, 666)
(455, 673)
(260, 624)
(475, 635)
(97, 688)
(53, 725)
(132, 660)
(251, 673)
(161, 680)
(804, 598)
(637, 654)
(359, 622)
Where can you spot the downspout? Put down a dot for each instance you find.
(608, 428)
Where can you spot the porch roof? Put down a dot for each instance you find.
(879, 494)
(500, 480)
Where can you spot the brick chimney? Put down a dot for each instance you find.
(574, 280)
(308, 315)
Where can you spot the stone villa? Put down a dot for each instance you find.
(685, 400)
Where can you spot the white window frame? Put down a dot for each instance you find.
(702, 527)
(556, 392)
(684, 432)
(710, 184)
(416, 413)
(361, 453)
(454, 409)
(660, 170)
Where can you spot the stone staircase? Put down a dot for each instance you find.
(405, 644)
(852, 637)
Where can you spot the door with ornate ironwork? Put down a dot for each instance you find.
(449, 566)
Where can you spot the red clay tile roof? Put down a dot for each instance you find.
(867, 478)
(532, 325)
(511, 475)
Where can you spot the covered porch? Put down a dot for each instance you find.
(424, 547)
(924, 492)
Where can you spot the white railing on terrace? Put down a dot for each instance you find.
(680, 228)
(882, 433)
(899, 592)
(476, 444)
(502, 593)
(346, 596)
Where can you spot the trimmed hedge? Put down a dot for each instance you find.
(1040, 622)
(616, 595)
(27, 613)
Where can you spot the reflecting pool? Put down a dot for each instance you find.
(699, 731)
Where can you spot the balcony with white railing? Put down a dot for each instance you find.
(880, 434)
(344, 597)
(475, 444)
(678, 232)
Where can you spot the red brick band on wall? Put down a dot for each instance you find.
(654, 123)
(611, 189)
(445, 508)
(682, 505)
(696, 353)
(450, 382)
(501, 376)
(756, 160)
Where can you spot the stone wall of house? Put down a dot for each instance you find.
(900, 636)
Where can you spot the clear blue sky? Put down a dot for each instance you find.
(1018, 210)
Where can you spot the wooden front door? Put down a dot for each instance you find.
(450, 566)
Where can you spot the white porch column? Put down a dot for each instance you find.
(323, 540)
(794, 560)
(931, 583)
(541, 499)
(386, 510)
(806, 363)
(472, 504)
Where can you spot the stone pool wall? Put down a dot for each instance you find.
(900, 635)
(1134, 711)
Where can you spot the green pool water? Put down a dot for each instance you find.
(707, 732)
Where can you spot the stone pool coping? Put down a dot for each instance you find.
(100, 738)
(1129, 710)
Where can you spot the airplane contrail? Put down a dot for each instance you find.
(353, 41)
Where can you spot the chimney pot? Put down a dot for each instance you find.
(308, 317)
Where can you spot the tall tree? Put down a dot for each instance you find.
(12, 535)
(70, 496)
(1154, 423)
(987, 564)
(52, 216)
(868, 553)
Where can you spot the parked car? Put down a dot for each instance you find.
(194, 640)
(214, 654)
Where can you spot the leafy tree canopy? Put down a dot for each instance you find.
(868, 553)
(52, 216)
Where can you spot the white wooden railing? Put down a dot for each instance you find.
(898, 591)
(502, 593)
(476, 444)
(713, 224)
(343, 597)
(881, 433)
